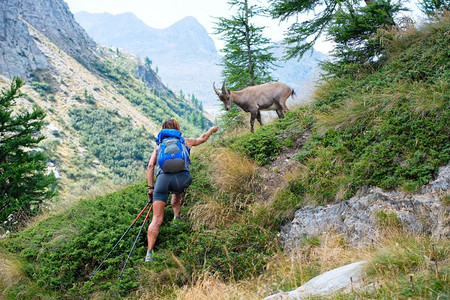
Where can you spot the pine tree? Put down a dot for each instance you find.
(351, 24)
(355, 32)
(148, 62)
(24, 183)
(248, 60)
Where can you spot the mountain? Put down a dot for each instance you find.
(185, 54)
(302, 75)
(103, 105)
(54, 21)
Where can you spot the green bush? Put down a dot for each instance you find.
(268, 141)
(263, 146)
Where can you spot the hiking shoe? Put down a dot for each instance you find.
(149, 256)
(176, 220)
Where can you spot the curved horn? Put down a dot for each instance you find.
(224, 91)
(215, 90)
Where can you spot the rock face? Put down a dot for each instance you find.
(19, 55)
(151, 79)
(360, 218)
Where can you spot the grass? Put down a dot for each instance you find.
(409, 266)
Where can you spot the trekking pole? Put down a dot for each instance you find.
(135, 241)
(117, 243)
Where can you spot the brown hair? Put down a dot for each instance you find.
(171, 124)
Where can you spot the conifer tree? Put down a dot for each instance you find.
(24, 183)
(247, 60)
(247, 57)
(351, 24)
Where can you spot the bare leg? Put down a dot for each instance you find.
(176, 204)
(157, 219)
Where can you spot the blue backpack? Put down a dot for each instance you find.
(173, 154)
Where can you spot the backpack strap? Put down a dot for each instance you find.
(166, 133)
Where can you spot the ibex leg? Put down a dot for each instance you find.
(258, 117)
(252, 121)
(280, 113)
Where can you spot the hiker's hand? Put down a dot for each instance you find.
(150, 193)
(214, 129)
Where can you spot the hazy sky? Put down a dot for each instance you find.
(164, 13)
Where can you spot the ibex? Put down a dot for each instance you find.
(254, 99)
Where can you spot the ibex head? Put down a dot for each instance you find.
(225, 96)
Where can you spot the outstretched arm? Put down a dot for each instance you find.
(203, 138)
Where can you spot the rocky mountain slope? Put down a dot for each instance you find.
(53, 20)
(185, 54)
(74, 79)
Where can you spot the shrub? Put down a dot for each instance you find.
(262, 146)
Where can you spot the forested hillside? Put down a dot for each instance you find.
(102, 107)
(386, 127)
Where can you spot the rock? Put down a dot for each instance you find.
(54, 170)
(20, 53)
(52, 129)
(356, 219)
(343, 279)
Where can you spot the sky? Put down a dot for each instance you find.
(164, 13)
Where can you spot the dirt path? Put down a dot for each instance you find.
(274, 175)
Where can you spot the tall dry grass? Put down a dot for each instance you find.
(234, 173)
(236, 178)
(400, 38)
(209, 286)
(285, 272)
(211, 211)
(400, 264)
(11, 272)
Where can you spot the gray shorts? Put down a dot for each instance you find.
(171, 183)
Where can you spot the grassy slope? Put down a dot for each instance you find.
(389, 128)
(113, 92)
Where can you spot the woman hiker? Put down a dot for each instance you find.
(168, 178)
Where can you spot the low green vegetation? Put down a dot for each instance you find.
(266, 143)
(113, 140)
(418, 264)
(161, 104)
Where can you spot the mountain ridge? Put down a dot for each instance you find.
(190, 62)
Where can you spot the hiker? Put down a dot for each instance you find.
(171, 180)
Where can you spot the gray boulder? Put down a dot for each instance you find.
(343, 279)
(358, 219)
